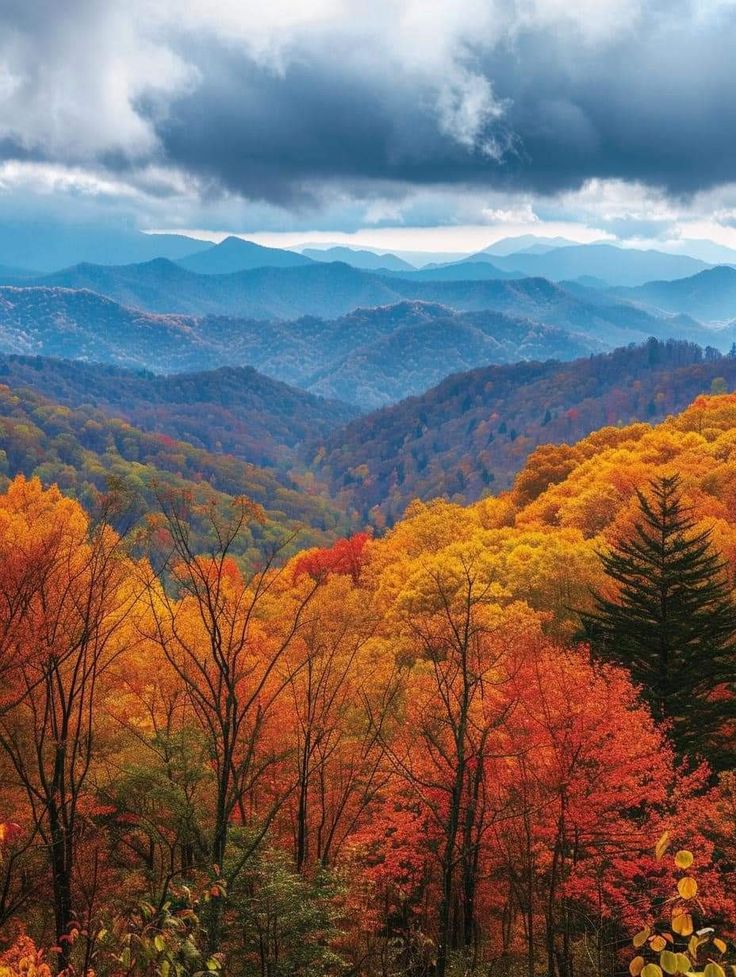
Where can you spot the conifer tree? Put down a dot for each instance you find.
(672, 623)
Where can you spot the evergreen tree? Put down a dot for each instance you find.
(673, 623)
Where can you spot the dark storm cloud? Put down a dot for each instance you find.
(538, 104)
(283, 136)
(657, 105)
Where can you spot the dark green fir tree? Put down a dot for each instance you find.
(672, 623)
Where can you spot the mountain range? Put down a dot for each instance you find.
(465, 437)
(369, 357)
(335, 289)
(472, 433)
(359, 258)
(710, 295)
(235, 410)
(610, 264)
(39, 246)
(235, 254)
(42, 247)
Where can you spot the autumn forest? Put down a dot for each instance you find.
(448, 747)
(367, 488)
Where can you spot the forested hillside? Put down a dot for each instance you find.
(392, 755)
(466, 437)
(83, 451)
(235, 410)
(332, 290)
(369, 356)
(473, 432)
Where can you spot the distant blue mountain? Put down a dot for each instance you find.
(710, 295)
(369, 357)
(335, 289)
(526, 244)
(51, 245)
(234, 254)
(616, 266)
(367, 260)
(469, 271)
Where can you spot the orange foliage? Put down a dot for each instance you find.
(413, 712)
(23, 959)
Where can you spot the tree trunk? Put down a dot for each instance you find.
(62, 885)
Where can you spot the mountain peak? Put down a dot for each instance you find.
(234, 254)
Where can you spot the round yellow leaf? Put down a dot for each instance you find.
(683, 963)
(651, 970)
(719, 944)
(682, 924)
(657, 943)
(712, 970)
(636, 966)
(668, 962)
(687, 888)
(684, 858)
(641, 937)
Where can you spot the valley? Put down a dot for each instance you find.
(309, 492)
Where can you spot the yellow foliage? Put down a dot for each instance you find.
(23, 960)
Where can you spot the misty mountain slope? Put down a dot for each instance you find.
(461, 272)
(48, 245)
(368, 357)
(526, 244)
(710, 295)
(234, 254)
(617, 266)
(269, 293)
(433, 341)
(231, 409)
(13, 275)
(332, 290)
(472, 433)
(368, 260)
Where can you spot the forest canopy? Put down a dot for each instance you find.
(391, 755)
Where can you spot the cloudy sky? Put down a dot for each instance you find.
(411, 123)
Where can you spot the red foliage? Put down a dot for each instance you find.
(346, 557)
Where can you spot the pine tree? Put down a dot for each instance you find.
(673, 623)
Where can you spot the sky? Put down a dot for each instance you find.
(424, 124)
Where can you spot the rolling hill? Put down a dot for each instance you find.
(710, 295)
(472, 433)
(235, 254)
(233, 409)
(413, 345)
(350, 358)
(332, 290)
(84, 451)
(79, 324)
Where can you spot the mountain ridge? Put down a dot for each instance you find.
(232, 410)
(472, 432)
(81, 324)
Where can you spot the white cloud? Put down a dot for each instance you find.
(74, 77)
(77, 81)
(82, 83)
